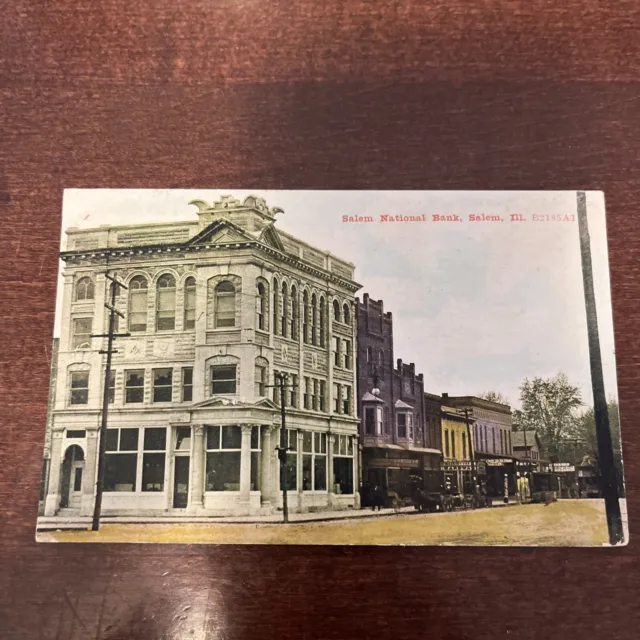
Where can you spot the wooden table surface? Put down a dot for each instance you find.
(307, 94)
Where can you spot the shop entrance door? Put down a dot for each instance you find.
(181, 482)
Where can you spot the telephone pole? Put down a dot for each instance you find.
(283, 448)
(102, 446)
(472, 456)
(608, 472)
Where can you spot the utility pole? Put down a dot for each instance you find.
(280, 379)
(608, 473)
(102, 446)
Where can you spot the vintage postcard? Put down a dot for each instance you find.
(333, 367)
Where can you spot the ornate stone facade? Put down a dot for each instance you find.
(214, 307)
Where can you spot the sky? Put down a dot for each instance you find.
(477, 306)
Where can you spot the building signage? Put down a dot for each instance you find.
(498, 463)
(564, 467)
(457, 466)
(387, 463)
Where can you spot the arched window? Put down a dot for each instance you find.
(305, 317)
(260, 307)
(190, 303)
(284, 317)
(346, 314)
(322, 321)
(84, 289)
(369, 353)
(314, 319)
(166, 303)
(225, 313)
(138, 304)
(276, 310)
(336, 311)
(294, 313)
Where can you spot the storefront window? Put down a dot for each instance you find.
(292, 461)
(314, 461)
(223, 458)
(153, 459)
(343, 464)
(121, 466)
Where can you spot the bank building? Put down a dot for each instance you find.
(215, 307)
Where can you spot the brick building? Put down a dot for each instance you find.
(215, 306)
(491, 435)
(399, 445)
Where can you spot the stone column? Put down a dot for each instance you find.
(330, 488)
(197, 469)
(301, 505)
(356, 473)
(245, 463)
(89, 473)
(267, 483)
(52, 501)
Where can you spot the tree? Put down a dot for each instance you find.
(494, 396)
(586, 443)
(549, 408)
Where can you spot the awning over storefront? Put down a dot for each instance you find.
(408, 449)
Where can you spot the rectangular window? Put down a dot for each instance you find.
(80, 387)
(190, 306)
(321, 399)
(453, 444)
(162, 385)
(293, 391)
(76, 433)
(346, 400)
(153, 459)
(183, 439)
(464, 447)
(166, 315)
(315, 388)
(446, 443)
(410, 426)
(401, 420)
(260, 381)
(223, 458)
(138, 305)
(337, 392)
(509, 436)
(306, 399)
(347, 354)
(223, 379)
(82, 333)
(187, 384)
(121, 460)
(493, 440)
(336, 352)
(112, 387)
(370, 421)
(134, 386)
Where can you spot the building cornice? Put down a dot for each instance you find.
(100, 255)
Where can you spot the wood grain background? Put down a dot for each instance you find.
(324, 94)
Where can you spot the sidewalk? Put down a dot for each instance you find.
(52, 523)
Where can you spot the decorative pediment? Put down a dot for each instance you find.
(270, 237)
(224, 402)
(220, 232)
